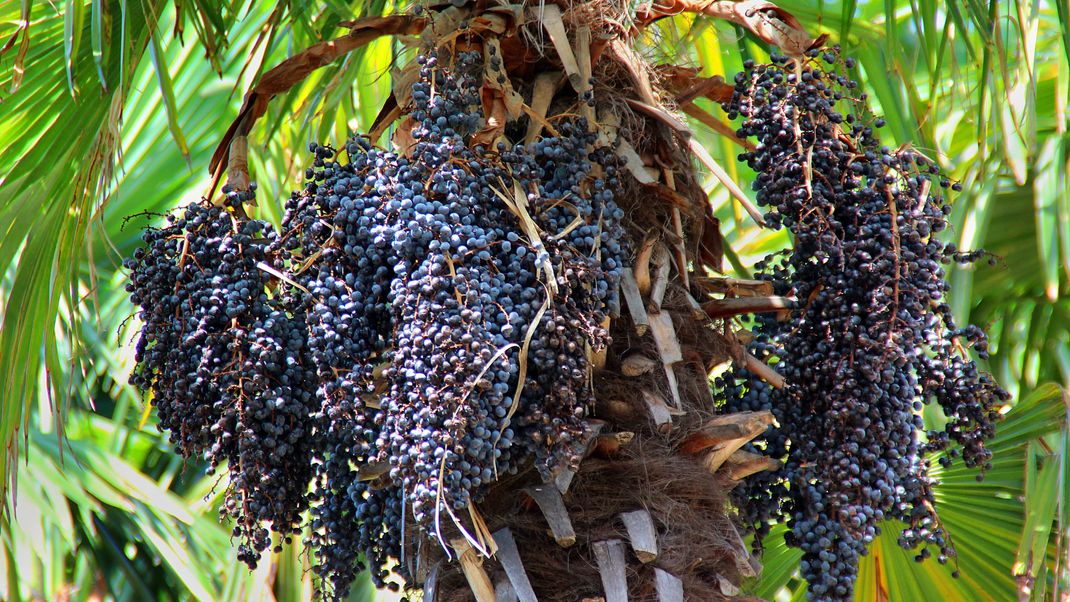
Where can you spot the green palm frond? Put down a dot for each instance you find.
(112, 509)
(106, 147)
(53, 169)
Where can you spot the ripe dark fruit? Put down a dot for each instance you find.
(874, 338)
(409, 317)
(421, 266)
(227, 365)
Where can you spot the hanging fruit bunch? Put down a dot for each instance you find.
(875, 340)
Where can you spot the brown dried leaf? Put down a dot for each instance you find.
(489, 24)
(401, 82)
(738, 287)
(642, 263)
(402, 138)
(543, 90)
(659, 114)
(722, 176)
(679, 250)
(540, 124)
(766, 20)
(775, 25)
(507, 18)
(474, 573)
(295, 69)
(445, 23)
(518, 205)
(550, 17)
(498, 78)
(667, 195)
(608, 127)
(501, 103)
(711, 245)
(686, 84)
(763, 371)
(633, 162)
(482, 531)
(734, 306)
(583, 59)
(389, 113)
(238, 165)
(681, 129)
(370, 472)
(496, 112)
(722, 128)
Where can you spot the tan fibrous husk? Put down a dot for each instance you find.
(689, 512)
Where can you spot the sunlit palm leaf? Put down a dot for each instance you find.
(51, 173)
(64, 230)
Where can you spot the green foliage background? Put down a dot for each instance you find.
(109, 112)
